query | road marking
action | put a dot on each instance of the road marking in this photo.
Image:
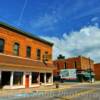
(77, 94)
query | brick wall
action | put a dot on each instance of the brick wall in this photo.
(97, 71)
(86, 63)
(11, 37)
(80, 63)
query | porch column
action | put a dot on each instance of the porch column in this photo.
(0, 78)
(11, 79)
(38, 79)
(45, 78)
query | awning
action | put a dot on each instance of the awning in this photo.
(87, 74)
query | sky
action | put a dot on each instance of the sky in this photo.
(72, 25)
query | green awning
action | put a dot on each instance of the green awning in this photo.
(87, 74)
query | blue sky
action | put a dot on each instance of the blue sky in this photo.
(50, 17)
(65, 21)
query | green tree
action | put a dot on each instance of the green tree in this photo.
(61, 56)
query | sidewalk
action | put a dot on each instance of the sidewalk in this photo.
(41, 88)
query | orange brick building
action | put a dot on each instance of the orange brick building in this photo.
(97, 71)
(25, 60)
(80, 63)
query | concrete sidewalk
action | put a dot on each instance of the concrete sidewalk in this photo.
(4, 92)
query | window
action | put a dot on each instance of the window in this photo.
(35, 77)
(65, 65)
(75, 64)
(45, 56)
(48, 77)
(38, 54)
(28, 52)
(16, 49)
(1, 45)
(42, 80)
(18, 78)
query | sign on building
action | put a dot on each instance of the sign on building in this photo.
(68, 74)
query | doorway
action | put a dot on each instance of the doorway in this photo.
(27, 81)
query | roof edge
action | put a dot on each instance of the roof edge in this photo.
(28, 34)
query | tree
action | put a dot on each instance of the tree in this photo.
(61, 56)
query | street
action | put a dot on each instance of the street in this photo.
(79, 92)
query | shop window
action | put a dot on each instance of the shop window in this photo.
(1, 45)
(35, 77)
(48, 77)
(42, 78)
(18, 78)
(28, 52)
(16, 49)
(38, 52)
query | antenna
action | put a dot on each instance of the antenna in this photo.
(22, 12)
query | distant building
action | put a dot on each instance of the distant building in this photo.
(97, 71)
(82, 64)
(25, 60)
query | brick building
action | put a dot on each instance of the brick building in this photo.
(80, 63)
(97, 71)
(25, 60)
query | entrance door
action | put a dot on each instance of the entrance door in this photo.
(27, 81)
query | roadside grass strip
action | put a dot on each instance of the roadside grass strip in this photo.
(77, 94)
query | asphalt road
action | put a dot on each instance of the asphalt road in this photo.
(80, 92)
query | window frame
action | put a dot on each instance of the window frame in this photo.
(45, 56)
(65, 65)
(28, 52)
(38, 56)
(16, 76)
(3, 41)
(16, 51)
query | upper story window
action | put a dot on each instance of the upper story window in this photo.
(16, 49)
(65, 65)
(38, 52)
(75, 64)
(45, 56)
(28, 52)
(1, 45)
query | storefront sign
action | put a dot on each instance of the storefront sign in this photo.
(68, 73)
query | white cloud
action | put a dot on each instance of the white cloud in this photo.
(85, 42)
(46, 22)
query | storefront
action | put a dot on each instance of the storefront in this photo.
(14, 76)
(25, 59)
(13, 80)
